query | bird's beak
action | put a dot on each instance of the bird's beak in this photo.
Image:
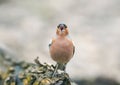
(62, 28)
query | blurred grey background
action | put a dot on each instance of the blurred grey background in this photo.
(26, 26)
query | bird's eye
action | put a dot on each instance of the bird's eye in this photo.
(65, 26)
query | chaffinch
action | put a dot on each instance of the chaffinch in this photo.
(61, 48)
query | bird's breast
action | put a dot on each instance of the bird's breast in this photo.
(62, 50)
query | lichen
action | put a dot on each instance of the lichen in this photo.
(24, 73)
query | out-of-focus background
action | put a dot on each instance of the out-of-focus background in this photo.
(26, 26)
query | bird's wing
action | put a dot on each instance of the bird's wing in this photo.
(51, 42)
(73, 49)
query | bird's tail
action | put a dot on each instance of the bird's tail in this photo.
(61, 66)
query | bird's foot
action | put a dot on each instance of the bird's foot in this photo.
(55, 70)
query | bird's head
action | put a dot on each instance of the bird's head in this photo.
(62, 30)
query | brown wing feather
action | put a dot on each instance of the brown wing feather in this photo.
(73, 50)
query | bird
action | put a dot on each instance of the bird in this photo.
(61, 48)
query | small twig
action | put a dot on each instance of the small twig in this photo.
(37, 61)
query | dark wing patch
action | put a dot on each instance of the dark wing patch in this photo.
(51, 42)
(73, 50)
(50, 45)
